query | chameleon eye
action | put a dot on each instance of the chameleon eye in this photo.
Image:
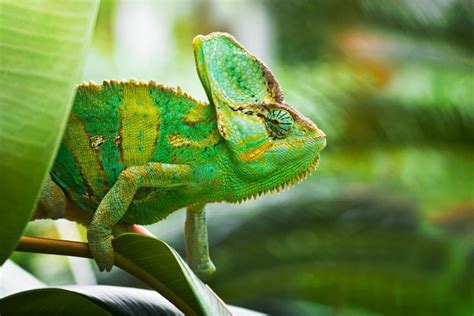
(279, 122)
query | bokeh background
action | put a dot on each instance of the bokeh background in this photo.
(386, 223)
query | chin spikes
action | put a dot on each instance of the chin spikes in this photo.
(285, 186)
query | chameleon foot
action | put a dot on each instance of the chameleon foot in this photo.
(100, 245)
(205, 271)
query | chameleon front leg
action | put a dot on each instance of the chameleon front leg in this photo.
(196, 242)
(115, 203)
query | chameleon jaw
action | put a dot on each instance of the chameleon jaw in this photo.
(286, 185)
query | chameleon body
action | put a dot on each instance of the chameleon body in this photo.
(134, 152)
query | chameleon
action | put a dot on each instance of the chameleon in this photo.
(134, 151)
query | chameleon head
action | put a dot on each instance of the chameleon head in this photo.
(272, 145)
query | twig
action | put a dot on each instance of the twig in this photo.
(54, 247)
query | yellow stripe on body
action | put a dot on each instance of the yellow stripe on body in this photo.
(196, 114)
(78, 142)
(140, 124)
(177, 140)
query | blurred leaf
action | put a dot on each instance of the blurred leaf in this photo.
(104, 33)
(306, 308)
(449, 21)
(307, 30)
(94, 300)
(409, 172)
(158, 265)
(42, 49)
(311, 30)
(88, 300)
(52, 302)
(374, 254)
(458, 221)
(15, 279)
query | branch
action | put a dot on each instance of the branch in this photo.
(68, 247)
(54, 247)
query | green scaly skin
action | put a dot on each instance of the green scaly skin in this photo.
(134, 152)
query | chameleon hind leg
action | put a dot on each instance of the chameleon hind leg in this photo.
(51, 202)
(196, 242)
(115, 203)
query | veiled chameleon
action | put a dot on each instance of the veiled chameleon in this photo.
(134, 152)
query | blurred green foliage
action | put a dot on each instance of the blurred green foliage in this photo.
(371, 252)
(310, 30)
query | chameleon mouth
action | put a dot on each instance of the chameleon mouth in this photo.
(286, 185)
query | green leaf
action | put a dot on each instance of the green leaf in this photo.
(89, 300)
(30, 296)
(158, 265)
(94, 300)
(50, 302)
(42, 50)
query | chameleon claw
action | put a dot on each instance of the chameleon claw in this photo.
(103, 254)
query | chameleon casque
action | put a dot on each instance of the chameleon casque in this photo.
(134, 152)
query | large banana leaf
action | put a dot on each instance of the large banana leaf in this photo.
(42, 49)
